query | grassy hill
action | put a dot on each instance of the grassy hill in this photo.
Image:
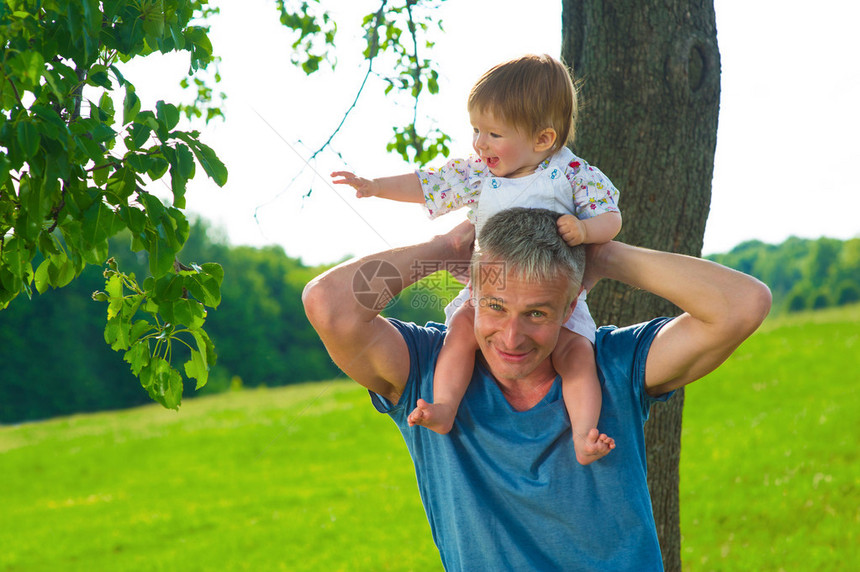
(311, 478)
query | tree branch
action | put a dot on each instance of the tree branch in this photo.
(372, 53)
(15, 89)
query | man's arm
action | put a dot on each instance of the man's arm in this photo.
(722, 307)
(340, 305)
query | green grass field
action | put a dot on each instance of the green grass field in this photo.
(769, 451)
(311, 478)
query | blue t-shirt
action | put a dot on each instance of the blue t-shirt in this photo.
(503, 489)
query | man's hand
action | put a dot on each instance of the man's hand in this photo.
(572, 230)
(363, 187)
(366, 346)
(593, 264)
(461, 240)
(721, 308)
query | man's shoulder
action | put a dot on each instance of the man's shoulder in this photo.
(617, 343)
(420, 338)
(617, 334)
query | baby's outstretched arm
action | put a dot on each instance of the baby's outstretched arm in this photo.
(596, 230)
(404, 188)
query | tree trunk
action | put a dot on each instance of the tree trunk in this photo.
(649, 101)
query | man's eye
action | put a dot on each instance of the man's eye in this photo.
(537, 314)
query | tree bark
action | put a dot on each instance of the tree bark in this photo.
(649, 103)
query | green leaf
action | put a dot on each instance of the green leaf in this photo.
(96, 253)
(139, 328)
(214, 270)
(5, 165)
(41, 278)
(130, 105)
(204, 288)
(121, 184)
(138, 162)
(100, 175)
(182, 168)
(114, 289)
(206, 347)
(156, 168)
(162, 382)
(28, 138)
(55, 82)
(167, 114)
(102, 132)
(167, 288)
(99, 224)
(138, 356)
(189, 312)
(27, 67)
(184, 161)
(16, 258)
(61, 270)
(106, 108)
(153, 205)
(138, 136)
(117, 333)
(98, 76)
(153, 25)
(134, 218)
(161, 257)
(90, 148)
(50, 116)
(207, 159)
(196, 368)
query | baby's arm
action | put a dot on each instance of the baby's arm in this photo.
(596, 230)
(404, 188)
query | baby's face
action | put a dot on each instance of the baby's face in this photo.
(507, 151)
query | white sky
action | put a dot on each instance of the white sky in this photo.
(787, 149)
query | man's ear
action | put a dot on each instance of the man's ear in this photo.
(545, 140)
(573, 304)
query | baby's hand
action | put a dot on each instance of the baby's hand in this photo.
(572, 230)
(363, 187)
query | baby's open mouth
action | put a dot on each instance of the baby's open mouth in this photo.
(491, 161)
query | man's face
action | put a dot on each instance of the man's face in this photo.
(517, 325)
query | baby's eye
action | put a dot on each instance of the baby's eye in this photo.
(495, 135)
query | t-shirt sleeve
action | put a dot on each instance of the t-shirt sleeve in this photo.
(622, 354)
(452, 186)
(423, 343)
(593, 192)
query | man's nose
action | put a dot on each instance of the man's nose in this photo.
(512, 333)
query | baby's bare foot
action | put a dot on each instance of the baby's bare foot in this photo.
(438, 417)
(591, 447)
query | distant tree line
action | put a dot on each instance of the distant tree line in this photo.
(803, 274)
(53, 359)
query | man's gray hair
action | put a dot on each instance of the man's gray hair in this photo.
(526, 242)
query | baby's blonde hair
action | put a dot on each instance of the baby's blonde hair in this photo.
(531, 93)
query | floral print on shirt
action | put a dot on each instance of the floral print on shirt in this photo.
(459, 182)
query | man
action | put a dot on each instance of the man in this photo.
(503, 490)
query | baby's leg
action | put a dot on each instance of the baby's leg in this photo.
(573, 359)
(453, 373)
